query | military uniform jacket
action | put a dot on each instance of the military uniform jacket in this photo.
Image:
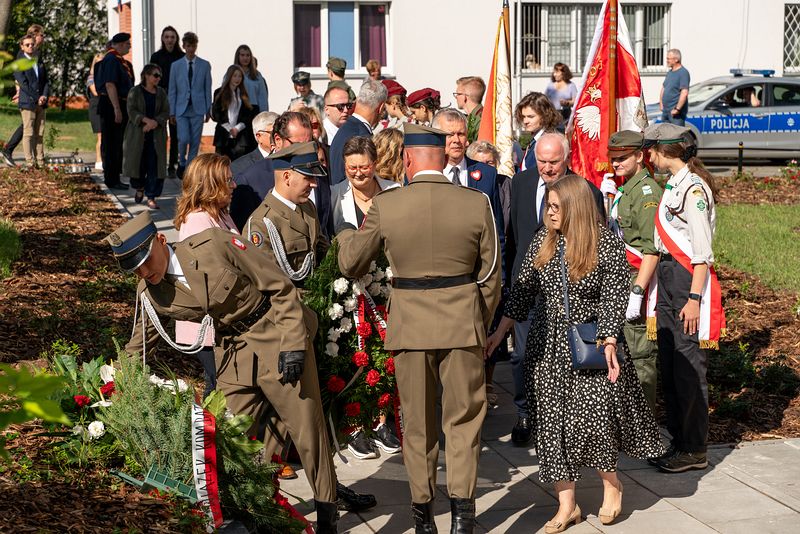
(431, 229)
(228, 279)
(636, 211)
(299, 229)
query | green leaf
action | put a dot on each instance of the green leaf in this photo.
(239, 424)
(45, 409)
(215, 403)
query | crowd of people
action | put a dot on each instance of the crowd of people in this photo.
(486, 267)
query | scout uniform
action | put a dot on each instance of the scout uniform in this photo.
(634, 212)
(312, 99)
(338, 66)
(256, 312)
(443, 249)
(685, 224)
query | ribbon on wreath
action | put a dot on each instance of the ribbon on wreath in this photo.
(204, 466)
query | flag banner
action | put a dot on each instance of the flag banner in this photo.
(610, 98)
(497, 121)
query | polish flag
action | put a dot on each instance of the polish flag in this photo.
(610, 77)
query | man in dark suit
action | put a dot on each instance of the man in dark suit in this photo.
(34, 89)
(262, 129)
(527, 213)
(253, 184)
(367, 113)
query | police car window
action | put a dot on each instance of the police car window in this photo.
(703, 91)
(785, 95)
(744, 96)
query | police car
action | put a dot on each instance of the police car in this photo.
(760, 111)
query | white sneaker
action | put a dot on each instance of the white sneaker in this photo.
(98, 166)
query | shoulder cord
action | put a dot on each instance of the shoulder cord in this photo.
(496, 245)
(677, 212)
(150, 312)
(280, 254)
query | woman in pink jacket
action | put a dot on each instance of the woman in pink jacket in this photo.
(207, 188)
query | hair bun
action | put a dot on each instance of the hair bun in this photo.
(689, 153)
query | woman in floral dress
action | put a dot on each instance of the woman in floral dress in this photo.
(582, 418)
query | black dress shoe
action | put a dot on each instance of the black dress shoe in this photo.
(423, 518)
(350, 501)
(327, 517)
(462, 516)
(179, 172)
(522, 432)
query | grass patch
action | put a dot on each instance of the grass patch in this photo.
(9, 247)
(71, 126)
(761, 240)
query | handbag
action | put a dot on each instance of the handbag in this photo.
(582, 337)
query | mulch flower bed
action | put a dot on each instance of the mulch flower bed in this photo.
(66, 285)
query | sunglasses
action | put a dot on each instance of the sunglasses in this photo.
(156, 75)
(342, 107)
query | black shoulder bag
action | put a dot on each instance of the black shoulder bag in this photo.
(582, 337)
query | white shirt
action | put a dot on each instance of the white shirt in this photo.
(174, 267)
(286, 201)
(264, 153)
(362, 119)
(539, 199)
(462, 174)
(35, 64)
(330, 129)
(430, 171)
(233, 114)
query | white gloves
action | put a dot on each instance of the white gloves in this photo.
(634, 307)
(608, 186)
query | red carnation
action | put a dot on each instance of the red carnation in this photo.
(389, 366)
(384, 400)
(81, 400)
(107, 389)
(335, 384)
(361, 359)
(373, 377)
(352, 409)
(364, 329)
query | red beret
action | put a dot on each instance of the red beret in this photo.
(418, 96)
(394, 88)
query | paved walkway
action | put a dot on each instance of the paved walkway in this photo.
(748, 488)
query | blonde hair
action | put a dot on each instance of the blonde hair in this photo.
(580, 226)
(205, 184)
(313, 116)
(389, 143)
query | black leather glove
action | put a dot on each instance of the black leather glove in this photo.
(290, 365)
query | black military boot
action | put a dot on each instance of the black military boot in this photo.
(351, 501)
(462, 513)
(327, 517)
(423, 518)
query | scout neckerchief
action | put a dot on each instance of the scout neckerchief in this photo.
(124, 62)
(635, 258)
(712, 316)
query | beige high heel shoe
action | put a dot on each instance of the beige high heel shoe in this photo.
(608, 515)
(553, 526)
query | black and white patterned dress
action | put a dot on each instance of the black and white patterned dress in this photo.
(579, 417)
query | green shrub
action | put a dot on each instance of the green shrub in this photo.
(9, 247)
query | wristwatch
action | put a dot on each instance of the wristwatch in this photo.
(695, 296)
(637, 290)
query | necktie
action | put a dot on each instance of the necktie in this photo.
(456, 171)
(530, 156)
(191, 73)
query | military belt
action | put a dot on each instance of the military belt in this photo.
(243, 325)
(440, 282)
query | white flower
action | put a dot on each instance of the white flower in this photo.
(96, 429)
(78, 430)
(107, 373)
(350, 304)
(182, 385)
(345, 325)
(365, 280)
(332, 349)
(340, 285)
(358, 288)
(386, 291)
(379, 274)
(156, 381)
(374, 288)
(335, 311)
(372, 266)
(101, 404)
(389, 273)
(333, 334)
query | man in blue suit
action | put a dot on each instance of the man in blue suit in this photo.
(189, 100)
(367, 113)
(34, 89)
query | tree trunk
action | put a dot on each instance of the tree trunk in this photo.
(64, 83)
(5, 16)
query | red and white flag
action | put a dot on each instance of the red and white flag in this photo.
(610, 98)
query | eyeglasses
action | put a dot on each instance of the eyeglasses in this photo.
(555, 208)
(27, 44)
(342, 107)
(268, 132)
(459, 94)
(365, 169)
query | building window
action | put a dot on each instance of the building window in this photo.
(353, 31)
(562, 33)
(791, 39)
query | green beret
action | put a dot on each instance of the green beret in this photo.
(131, 242)
(300, 157)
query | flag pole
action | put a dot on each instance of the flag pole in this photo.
(613, 11)
(507, 25)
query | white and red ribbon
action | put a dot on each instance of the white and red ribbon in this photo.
(204, 465)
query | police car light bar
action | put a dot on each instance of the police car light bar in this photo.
(763, 72)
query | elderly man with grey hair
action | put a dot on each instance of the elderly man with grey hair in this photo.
(369, 108)
(262, 129)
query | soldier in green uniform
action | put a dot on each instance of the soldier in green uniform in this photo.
(305, 95)
(633, 214)
(265, 357)
(443, 249)
(336, 68)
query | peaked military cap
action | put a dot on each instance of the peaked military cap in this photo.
(665, 133)
(624, 143)
(131, 242)
(337, 65)
(121, 38)
(301, 77)
(300, 157)
(419, 135)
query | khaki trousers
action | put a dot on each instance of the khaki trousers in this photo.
(461, 373)
(33, 135)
